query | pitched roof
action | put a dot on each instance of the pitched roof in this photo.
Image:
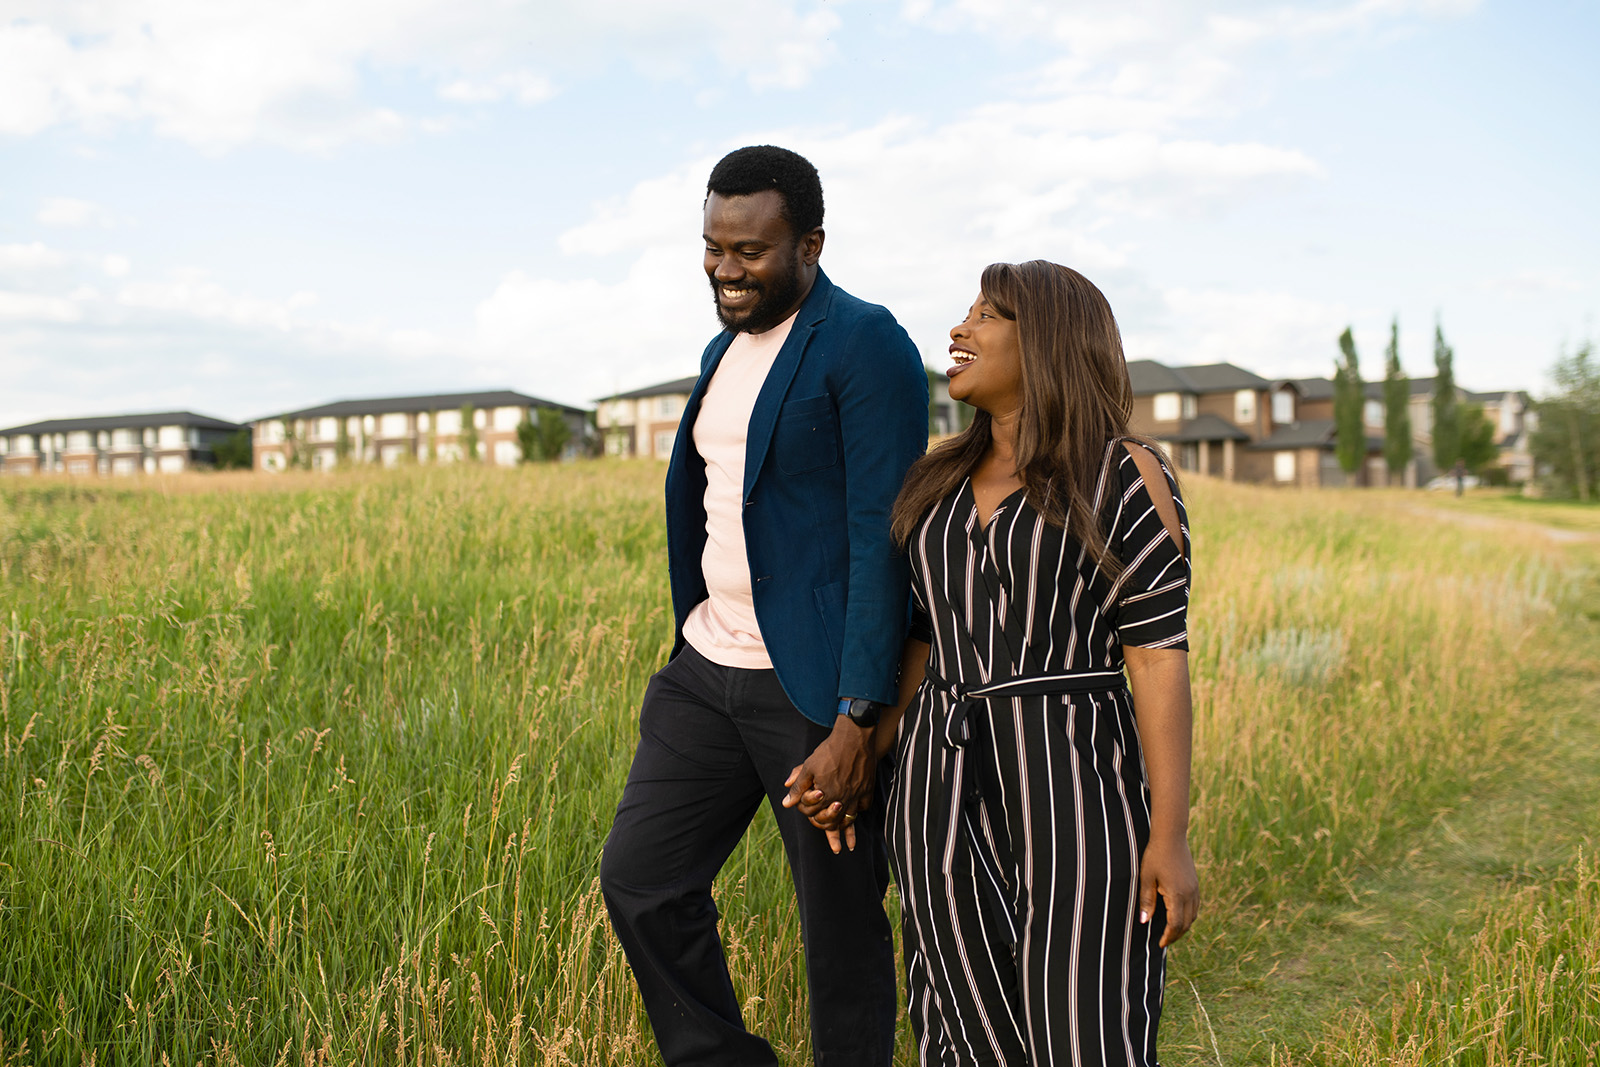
(1313, 388)
(677, 385)
(1217, 377)
(125, 422)
(1206, 427)
(1147, 376)
(496, 398)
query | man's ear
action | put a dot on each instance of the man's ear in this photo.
(811, 246)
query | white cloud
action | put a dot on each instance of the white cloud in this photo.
(1274, 334)
(69, 212)
(191, 292)
(218, 73)
(525, 87)
(31, 257)
(32, 307)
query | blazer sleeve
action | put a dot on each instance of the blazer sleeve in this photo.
(882, 395)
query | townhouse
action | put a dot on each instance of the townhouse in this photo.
(162, 443)
(644, 422)
(409, 429)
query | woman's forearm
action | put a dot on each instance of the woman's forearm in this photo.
(1159, 678)
(912, 662)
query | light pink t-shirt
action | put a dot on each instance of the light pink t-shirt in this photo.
(723, 627)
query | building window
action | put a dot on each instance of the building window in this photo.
(1283, 406)
(124, 465)
(125, 438)
(669, 407)
(392, 454)
(1283, 466)
(4, 444)
(506, 453)
(171, 464)
(79, 466)
(170, 437)
(24, 444)
(1167, 407)
(1372, 414)
(422, 422)
(327, 429)
(394, 425)
(664, 440)
(1244, 406)
(448, 422)
(80, 441)
(506, 419)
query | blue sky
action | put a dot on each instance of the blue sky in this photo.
(241, 208)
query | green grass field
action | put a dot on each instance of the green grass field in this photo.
(312, 770)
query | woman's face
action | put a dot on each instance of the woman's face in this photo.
(986, 369)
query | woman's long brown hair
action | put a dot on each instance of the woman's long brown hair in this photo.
(1075, 397)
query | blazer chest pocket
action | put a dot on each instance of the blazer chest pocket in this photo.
(807, 438)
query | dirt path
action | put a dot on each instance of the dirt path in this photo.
(1556, 534)
(1523, 826)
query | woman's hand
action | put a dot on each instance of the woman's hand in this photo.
(1167, 869)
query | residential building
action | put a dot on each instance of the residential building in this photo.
(644, 422)
(1205, 415)
(164, 443)
(408, 429)
(1226, 421)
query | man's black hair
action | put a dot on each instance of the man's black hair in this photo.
(750, 170)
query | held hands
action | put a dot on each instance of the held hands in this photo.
(834, 784)
(1167, 869)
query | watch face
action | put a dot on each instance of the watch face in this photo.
(863, 712)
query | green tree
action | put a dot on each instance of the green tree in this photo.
(527, 440)
(234, 452)
(1477, 439)
(1446, 405)
(1396, 406)
(553, 433)
(298, 448)
(1350, 435)
(1567, 442)
(469, 434)
(341, 442)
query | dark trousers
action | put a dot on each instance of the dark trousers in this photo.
(713, 741)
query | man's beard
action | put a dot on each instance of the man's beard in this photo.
(773, 304)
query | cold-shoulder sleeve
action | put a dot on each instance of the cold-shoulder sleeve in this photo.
(1151, 597)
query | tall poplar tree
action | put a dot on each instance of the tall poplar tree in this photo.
(1396, 406)
(1350, 436)
(1446, 406)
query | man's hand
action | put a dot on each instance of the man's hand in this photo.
(835, 782)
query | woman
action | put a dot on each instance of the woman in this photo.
(1039, 816)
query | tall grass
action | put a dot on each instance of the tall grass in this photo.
(1529, 992)
(317, 770)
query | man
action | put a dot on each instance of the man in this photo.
(791, 606)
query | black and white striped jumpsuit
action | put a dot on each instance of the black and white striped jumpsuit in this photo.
(1018, 819)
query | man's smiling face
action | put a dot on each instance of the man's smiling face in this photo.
(760, 271)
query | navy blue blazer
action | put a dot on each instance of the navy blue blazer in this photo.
(843, 413)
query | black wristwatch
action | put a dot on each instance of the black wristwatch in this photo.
(861, 711)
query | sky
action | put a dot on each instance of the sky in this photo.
(243, 208)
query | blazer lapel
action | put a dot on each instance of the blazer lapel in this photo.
(691, 407)
(764, 416)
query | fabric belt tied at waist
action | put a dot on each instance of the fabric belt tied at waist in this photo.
(965, 815)
(957, 732)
